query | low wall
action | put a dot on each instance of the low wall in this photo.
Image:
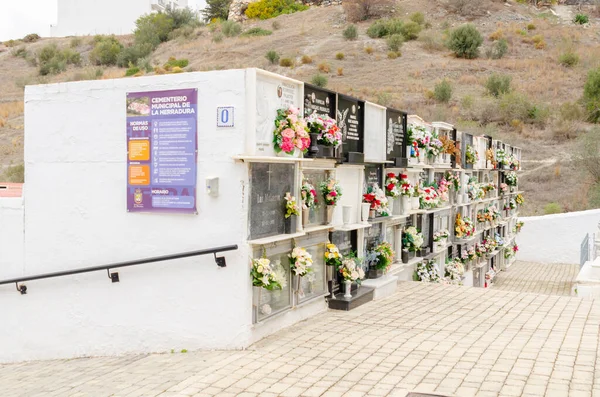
(555, 238)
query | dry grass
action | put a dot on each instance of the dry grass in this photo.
(11, 109)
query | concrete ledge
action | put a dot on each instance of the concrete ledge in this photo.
(383, 286)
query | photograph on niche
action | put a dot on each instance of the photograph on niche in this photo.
(138, 107)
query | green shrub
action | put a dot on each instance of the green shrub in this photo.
(14, 174)
(531, 26)
(132, 54)
(132, 71)
(218, 37)
(182, 17)
(410, 30)
(552, 208)
(75, 42)
(272, 57)
(339, 56)
(52, 60)
(385, 27)
(591, 95)
(19, 52)
(443, 91)
(173, 62)
(185, 32)
(319, 80)
(499, 49)
(106, 51)
(518, 107)
(350, 33)
(395, 41)
(286, 62)
(571, 111)
(257, 32)
(581, 19)
(153, 29)
(465, 41)
(568, 59)
(216, 9)
(432, 42)
(231, 28)
(31, 38)
(12, 43)
(418, 17)
(144, 64)
(498, 84)
(265, 9)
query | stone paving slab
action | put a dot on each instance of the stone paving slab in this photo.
(448, 340)
(539, 278)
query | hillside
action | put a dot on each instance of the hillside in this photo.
(551, 140)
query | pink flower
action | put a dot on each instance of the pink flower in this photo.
(305, 143)
(299, 144)
(288, 133)
(287, 145)
(293, 118)
(332, 194)
(293, 110)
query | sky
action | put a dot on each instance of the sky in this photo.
(21, 17)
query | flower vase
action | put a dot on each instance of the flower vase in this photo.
(326, 151)
(390, 205)
(329, 272)
(287, 225)
(296, 153)
(364, 212)
(329, 213)
(299, 291)
(405, 203)
(305, 215)
(346, 213)
(415, 204)
(422, 156)
(313, 150)
(347, 289)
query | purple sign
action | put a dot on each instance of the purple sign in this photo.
(162, 151)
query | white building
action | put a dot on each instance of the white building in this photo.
(90, 17)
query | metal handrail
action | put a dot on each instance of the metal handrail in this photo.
(220, 261)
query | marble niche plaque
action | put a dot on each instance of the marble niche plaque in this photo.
(395, 147)
(350, 119)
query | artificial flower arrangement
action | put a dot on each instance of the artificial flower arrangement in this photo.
(392, 184)
(511, 178)
(406, 188)
(488, 245)
(435, 147)
(471, 155)
(449, 147)
(411, 135)
(479, 250)
(520, 200)
(515, 248)
(427, 271)
(474, 190)
(488, 187)
(489, 214)
(508, 253)
(513, 163)
(300, 261)
(291, 131)
(351, 270)
(326, 127)
(428, 197)
(472, 253)
(464, 227)
(503, 188)
(309, 195)
(518, 226)
(291, 206)
(464, 256)
(331, 191)
(499, 240)
(420, 135)
(440, 236)
(264, 276)
(454, 271)
(502, 157)
(376, 197)
(333, 257)
(510, 205)
(384, 256)
(489, 156)
(453, 179)
(443, 188)
(412, 239)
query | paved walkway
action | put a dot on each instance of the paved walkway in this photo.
(451, 340)
(555, 279)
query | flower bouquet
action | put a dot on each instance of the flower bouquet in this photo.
(351, 271)
(264, 276)
(464, 227)
(331, 191)
(406, 191)
(384, 257)
(300, 261)
(427, 272)
(508, 253)
(454, 271)
(309, 200)
(439, 239)
(449, 147)
(434, 148)
(412, 241)
(471, 155)
(429, 197)
(333, 257)
(327, 129)
(502, 157)
(518, 226)
(520, 200)
(443, 189)
(503, 188)
(377, 200)
(392, 184)
(489, 157)
(511, 179)
(291, 132)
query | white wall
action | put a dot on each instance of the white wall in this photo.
(76, 216)
(11, 237)
(90, 17)
(555, 238)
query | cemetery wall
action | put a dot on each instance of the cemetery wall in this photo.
(555, 238)
(75, 156)
(11, 237)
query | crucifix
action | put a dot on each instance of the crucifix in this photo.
(269, 172)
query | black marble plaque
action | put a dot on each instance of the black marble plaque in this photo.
(320, 101)
(350, 119)
(373, 175)
(269, 182)
(344, 240)
(395, 134)
(425, 224)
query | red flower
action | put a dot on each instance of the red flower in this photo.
(390, 187)
(333, 194)
(403, 176)
(391, 175)
(313, 192)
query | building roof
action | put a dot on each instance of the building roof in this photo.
(11, 189)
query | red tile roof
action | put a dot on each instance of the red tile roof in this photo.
(11, 189)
